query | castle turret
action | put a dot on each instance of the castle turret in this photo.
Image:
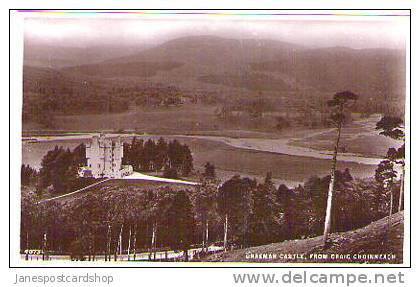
(104, 158)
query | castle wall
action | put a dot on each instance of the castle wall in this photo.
(104, 157)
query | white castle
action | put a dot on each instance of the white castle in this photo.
(104, 158)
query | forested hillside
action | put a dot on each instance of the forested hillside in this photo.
(236, 78)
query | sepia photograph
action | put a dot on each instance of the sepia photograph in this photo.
(205, 137)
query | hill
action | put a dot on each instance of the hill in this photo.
(249, 77)
(250, 65)
(112, 186)
(57, 56)
(261, 65)
(378, 71)
(199, 61)
(211, 50)
(373, 239)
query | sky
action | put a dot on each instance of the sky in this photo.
(373, 33)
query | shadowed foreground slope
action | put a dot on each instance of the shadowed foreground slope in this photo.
(370, 244)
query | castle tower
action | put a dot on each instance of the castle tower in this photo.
(104, 157)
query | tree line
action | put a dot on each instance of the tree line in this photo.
(173, 158)
(48, 93)
(58, 172)
(239, 212)
(59, 166)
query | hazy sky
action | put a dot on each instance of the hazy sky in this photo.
(97, 31)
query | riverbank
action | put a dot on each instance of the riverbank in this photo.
(291, 159)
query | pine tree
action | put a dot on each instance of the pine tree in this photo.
(203, 198)
(263, 217)
(187, 161)
(161, 154)
(209, 171)
(338, 103)
(393, 127)
(149, 155)
(175, 155)
(385, 175)
(181, 223)
(234, 206)
(28, 174)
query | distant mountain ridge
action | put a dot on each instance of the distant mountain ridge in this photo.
(262, 64)
(57, 56)
(211, 49)
(256, 65)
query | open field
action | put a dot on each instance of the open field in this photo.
(185, 119)
(118, 185)
(360, 137)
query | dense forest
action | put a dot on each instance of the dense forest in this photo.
(237, 213)
(177, 218)
(48, 93)
(263, 79)
(173, 157)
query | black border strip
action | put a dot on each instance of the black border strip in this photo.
(192, 267)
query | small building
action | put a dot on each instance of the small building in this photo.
(104, 158)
